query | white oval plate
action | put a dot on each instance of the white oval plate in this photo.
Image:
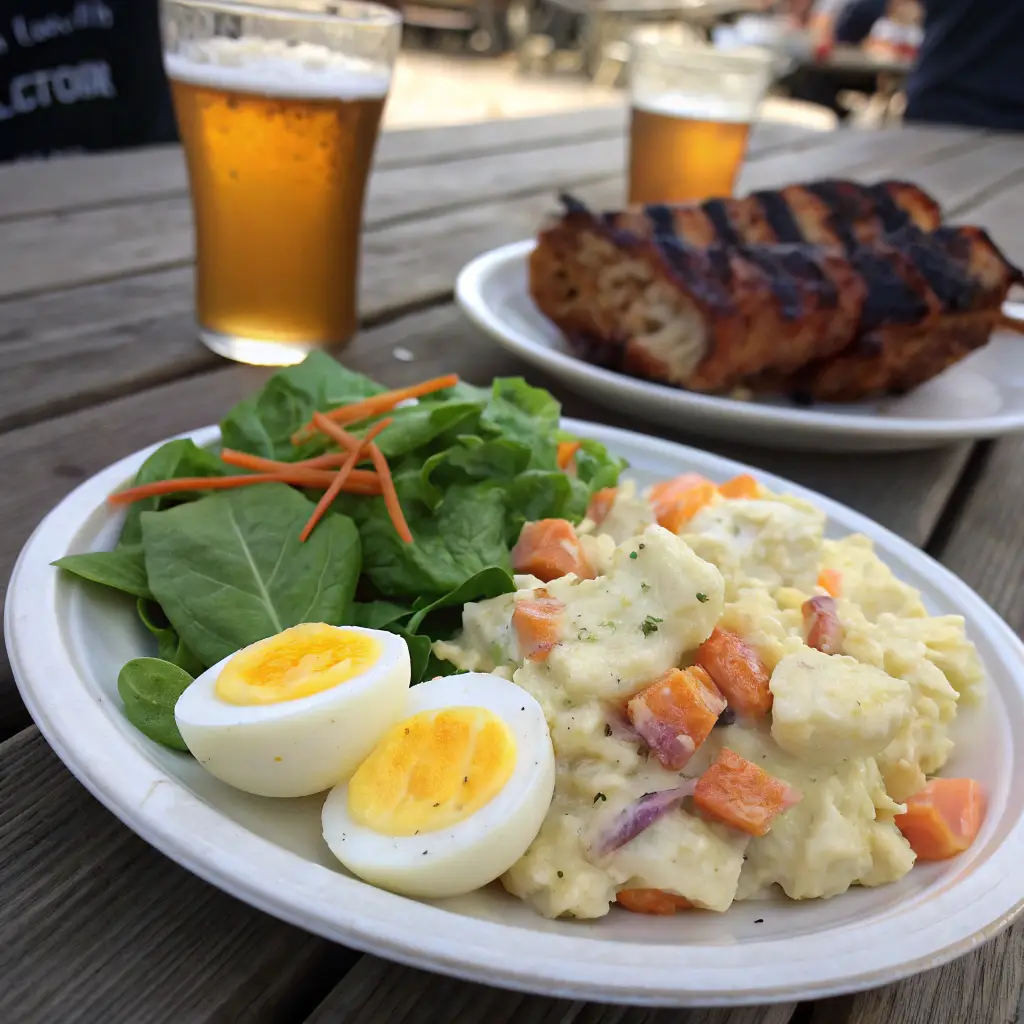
(981, 397)
(67, 640)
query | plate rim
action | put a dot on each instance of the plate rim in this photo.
(482, 269)
(148, 797)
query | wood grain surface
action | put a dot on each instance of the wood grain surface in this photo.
(99, 242)
(377, 991)
(99, 927)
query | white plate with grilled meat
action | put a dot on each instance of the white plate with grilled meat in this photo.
(67, 641)
(980, 397)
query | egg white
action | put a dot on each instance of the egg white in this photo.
(302, 746)
(481, 847)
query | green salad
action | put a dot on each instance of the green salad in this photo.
(213, 571)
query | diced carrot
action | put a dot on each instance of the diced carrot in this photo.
(742, 486)
(944, 818)
(651, 901)
(676, 713)
(738, 671)
(537, 622)
(566, 451)
(737, 792)
(831, 581)
(824, 632)
(601, 504)
(669, 491)
(550, 549)
(674, 513)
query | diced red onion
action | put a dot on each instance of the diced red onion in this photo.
(628, 823)
(822, 626)
(671, 747)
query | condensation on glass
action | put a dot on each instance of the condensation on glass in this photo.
(692, 110)
(279, 111)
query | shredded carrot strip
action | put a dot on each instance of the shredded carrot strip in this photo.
(387, 486)
(566, 451)
(348, 441)
(302, 478)
(347, 467)
(377, 404)
(320, 465)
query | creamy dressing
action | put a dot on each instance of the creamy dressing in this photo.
(854, 733)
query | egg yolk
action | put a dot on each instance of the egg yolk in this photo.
(298, 662)
(432, 771)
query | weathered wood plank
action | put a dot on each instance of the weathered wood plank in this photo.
(862, 154)
(96, 244)
(72, 183)
(375, 992)
(984, 987)
(98, 926)
(51, 458)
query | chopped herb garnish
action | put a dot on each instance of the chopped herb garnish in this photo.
(586, 636)
(642, 546)
(600, 796)
(644, 586)
(632, 554)
(650, 625)
(607, 730)
(703, 598)
(561, 874)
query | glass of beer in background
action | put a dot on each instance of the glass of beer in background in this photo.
(692, 109)
(279, 110)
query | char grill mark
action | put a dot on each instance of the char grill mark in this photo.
(873, 304)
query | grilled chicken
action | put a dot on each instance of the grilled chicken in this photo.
(849, 293)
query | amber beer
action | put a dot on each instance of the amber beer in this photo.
(692, 108)
(679, 154)
(278, 108)
(277, 188)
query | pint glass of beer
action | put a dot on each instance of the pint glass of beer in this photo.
(692, 108)
(278, 108)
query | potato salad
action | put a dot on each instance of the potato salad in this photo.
(736, 704)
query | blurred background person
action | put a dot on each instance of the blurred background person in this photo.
(968, 70)
(81, 76)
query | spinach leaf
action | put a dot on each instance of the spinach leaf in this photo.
(150, 688)
(174, 459)
(376, 614)
(230, 570)
(170, 646)
(596, 467)
(469, 459)
(420, 654)
(263, 424)
(418, 425)
(489, 582)
(465, 534)
(124, 568)
(544, 494)
(519, 412)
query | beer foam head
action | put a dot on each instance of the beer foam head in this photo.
(272, 67)
(707, 107)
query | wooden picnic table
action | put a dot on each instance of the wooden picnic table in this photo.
(98, 357)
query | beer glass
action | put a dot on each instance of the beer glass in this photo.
(278, 108)
(692, 108)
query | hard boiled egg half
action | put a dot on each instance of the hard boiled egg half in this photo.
(452, 795)
(296, 713)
